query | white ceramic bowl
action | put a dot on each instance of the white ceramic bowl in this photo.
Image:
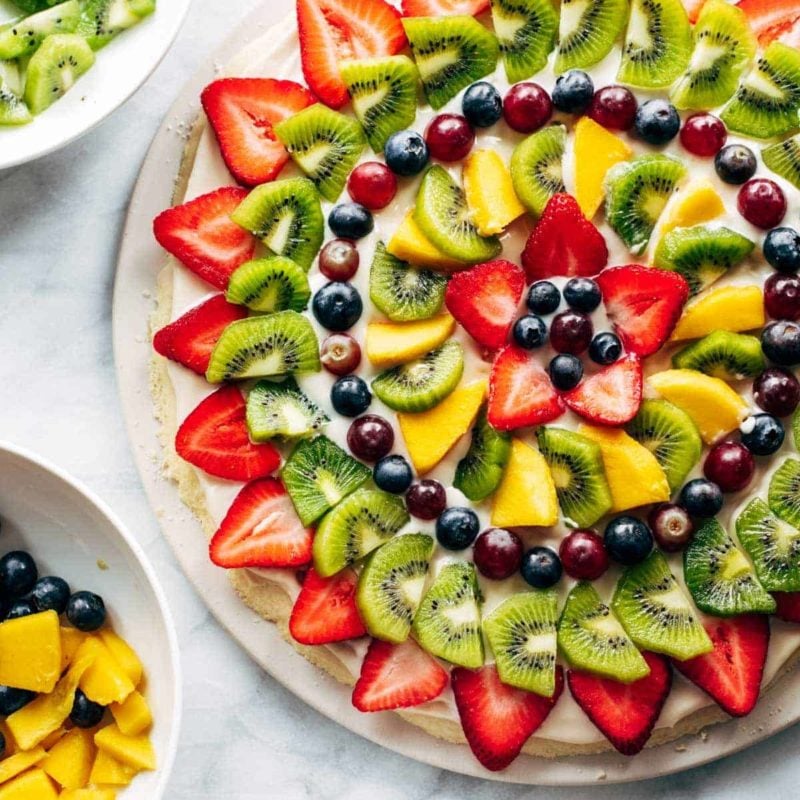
(121, 68)
(69, 532)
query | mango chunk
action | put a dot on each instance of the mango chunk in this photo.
(123, 653)
(105, 681)
(54, 738)
(135, 751)
(30, 652)
(634, 476)
(699, 202)
(32, 785)
(392, 343)
(15, 765)
(71, 640)
(490, 192)
(69, 763)
(729, 308)
(133, 716)
(527, 494)
(429, 436)
(410, 244)
(88, 794)
(106, 770)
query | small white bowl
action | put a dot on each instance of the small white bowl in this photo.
(72, 533)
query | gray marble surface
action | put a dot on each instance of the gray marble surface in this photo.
(244, 736)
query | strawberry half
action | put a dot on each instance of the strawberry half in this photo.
(202, 236)
(485, 299)
(611, 396)
(520, 391)
(443, 8)
(397, 676)
(190, 339)
(644, 304)
(773, 19)
(214, 438)
(564, 242)
(325, 610)
(498, 719)
(624, 713)
(788, 606)
(731, 673)
(242, 112)
(334, 30)
(261, 529)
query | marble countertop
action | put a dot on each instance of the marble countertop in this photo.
(244, 736)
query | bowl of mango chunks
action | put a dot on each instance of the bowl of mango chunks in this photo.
(90, 687)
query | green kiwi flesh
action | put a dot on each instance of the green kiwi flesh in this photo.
(13, 110)
(537, 167)
(268, 285)
(783, 495)
(526, 30)
(281, 410)
(783, 159)
(479, 473)
(53, 69)
(102, 20)
(23, 36)
(587, 32)
(723, 354)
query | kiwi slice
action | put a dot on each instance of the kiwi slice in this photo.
(269, 284)
(536, 167)
(282, 410)
(576, 464)
(636, 194)
(264, 347)
(720, 577)
(53, 69)
(450, 53)
(13, 110)
(448, 621)
(384, 95)
(784, 492)
(783, 159)
(723, 354)
(656, 613)
(593, 640)
(587, 31)
(325, 144)
(723, 47)
(402, 292)
(701, 254)
(658, 44)
(669, 433)
(287, 216)
(526, 30)
(773, 546)
(522, 633)
(479, 473)
(391, 584)
(767, 102)
(102, 20)
(424, 382)
(352, 529)
(445, 218)
(796, 427)
(319, 474)
(23, 36)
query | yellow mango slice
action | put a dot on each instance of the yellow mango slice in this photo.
(107, 770)
(714, 407)
(596, 151)
(54, 738)
(490, 192)
(699, 202)
(429, 436)
(71, 640)
(69, 763)
(527, 494)
(410, 244)
(391, 343)
(30, 652)
(634, 476)
(105, 681)
(135, 751)
(133, 716)
(123, 653)
(15, 765)
(32, 785)
(729, 308)
(88, 794)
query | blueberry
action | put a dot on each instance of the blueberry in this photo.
(566, 372)
(782, 249)
(628, 540)
(530, 332)
(763, 434)
(85, 713)
(350, 396)
(86, 611)
(393, 474)
(657, 122)
(582, 294)
(482, 105)
(543, 298)
(51, 594)
(780, 342)
(541, 567)
(18, 573)
(22, 607)
(12, 700)
(337, 306)
(406, 153)
(701, 498)
(350, 221)
(573, 92)
(605, 348)
(457, 528)
(735, 164)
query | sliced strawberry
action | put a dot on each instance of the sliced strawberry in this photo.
(611, 396)
(484, 299)
(498, 719)
(788, 606)
(325, 610)
(261, 529)
(773, 19)
(242, 112)
(624, 713)
(693, 8)
(190, 339)
(202, 236)
(520, 391)
(334, 30)
(397, 676)
(443, 8)
(564, 242)
(214, 438)
(644, 304)
(731, 672)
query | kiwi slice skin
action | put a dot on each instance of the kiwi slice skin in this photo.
(102, 20)
(723, 354)
(479, 473)
(281, 410)
(53, 69)
(537, 168)
(522, 633)
(526, 30)
(796, 427)
(783, 495)
(719, 576)
(593, 640)
(391, 584)
(21, 37)
(587, 32)
(268, 285)
(783, 159)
